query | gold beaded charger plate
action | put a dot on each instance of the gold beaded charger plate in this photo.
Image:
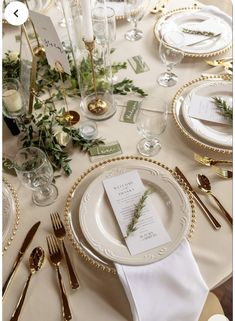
(10, 214)
(99, 225)
(190, 18)
(177, 109)
(220, 134)
(78, 189)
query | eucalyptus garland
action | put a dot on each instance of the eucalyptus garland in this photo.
(46, 129)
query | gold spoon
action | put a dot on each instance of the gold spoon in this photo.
(204, 185)
(36, 260)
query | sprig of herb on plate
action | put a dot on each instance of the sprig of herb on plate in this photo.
(137, 212)
(198, 32)
(224, 107)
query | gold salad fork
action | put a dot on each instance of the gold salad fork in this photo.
(56, 257)
(60, 233)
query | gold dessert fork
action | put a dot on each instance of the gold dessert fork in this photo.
(56, 257)
(60, 233)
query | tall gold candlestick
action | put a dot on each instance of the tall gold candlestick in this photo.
(96, 106)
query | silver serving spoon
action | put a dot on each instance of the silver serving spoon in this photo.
(36, 260)
(204, 185)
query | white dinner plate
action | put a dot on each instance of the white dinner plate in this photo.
(189, 19)
(101, 229)
(214, 133)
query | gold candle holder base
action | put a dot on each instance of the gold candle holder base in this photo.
(97, 106)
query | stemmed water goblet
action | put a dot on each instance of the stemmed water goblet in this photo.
(170, 54)
(151, 124)
(135, 11)
(35, 172)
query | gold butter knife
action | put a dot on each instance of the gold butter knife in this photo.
(210, 217)
(21, 252)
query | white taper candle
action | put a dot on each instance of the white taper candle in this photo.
(87, 20)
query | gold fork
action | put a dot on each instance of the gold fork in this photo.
(60, 233)
(56, 257)
(207, 161)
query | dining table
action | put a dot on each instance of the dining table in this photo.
(100, 295)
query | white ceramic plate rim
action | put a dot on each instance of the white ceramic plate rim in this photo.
(118, 252)
(199, 127)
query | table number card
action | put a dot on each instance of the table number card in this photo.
(124, 192)
(51, 42)
(205, 109)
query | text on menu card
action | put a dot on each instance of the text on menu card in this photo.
(124, 192)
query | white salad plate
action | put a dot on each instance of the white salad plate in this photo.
(100, 228)
(215, 133)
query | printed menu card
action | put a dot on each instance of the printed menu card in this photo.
(124, 192)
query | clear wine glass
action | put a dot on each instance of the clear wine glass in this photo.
(170, 54)
(151, 124)
(135, 11)
(35, 172)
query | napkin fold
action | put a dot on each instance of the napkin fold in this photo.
(219, 13)
(171, 289)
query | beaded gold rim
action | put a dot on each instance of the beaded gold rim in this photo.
(82, 252)
(10, 238)
(188, 54)
(183, 130)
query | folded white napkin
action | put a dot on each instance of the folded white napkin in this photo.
(169, 290)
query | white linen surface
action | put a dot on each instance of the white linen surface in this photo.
(171, 289)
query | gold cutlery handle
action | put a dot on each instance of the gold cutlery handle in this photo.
(12, 273)
(214, 162)
(20, 303)
(73, 278)
(211, 218)
(65, 304)
(227, 215)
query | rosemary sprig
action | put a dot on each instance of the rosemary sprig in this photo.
(137, 212)
(225, 109)
(198, 32)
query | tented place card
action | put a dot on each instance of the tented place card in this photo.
(204, 108)
(102, 151)
(129, 114)
(124, 192)
(138, 64)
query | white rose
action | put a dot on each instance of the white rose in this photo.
(13, 56)
(62, 138)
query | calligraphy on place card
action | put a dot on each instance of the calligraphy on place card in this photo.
(51, 42)
(130, 112)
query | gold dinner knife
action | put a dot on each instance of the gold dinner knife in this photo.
(21, 252)
(211, 218)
